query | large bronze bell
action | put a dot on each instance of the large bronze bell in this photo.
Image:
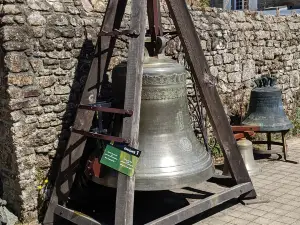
(172, 156)
(266, 108)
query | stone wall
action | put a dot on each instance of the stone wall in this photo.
(48, 46)
(271, 3)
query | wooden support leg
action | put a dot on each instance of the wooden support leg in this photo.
(208, 91)
(83, 120)
(284, 145)
(125, 187)
(269, 140)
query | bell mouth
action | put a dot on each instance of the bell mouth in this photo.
(146, 183)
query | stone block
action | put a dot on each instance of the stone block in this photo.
(249, 70)
(33, 111)
(68, 64)
(11, 9)
(214, 71)
(61, 90)
(52, 32)
(72, 10)
(36, 64)
(31, 92)
(294, 78)
(17, 115)
(40, 5)
(228, 58)
(269, 53)
(229, 68)
(46, 81)
(235, 77)
(68, 32)
(16, 62)
(46, 45)
(15, 33)
(44, 148)
(49, 100)
(19, 19)
(20, 129)
(15, 46)
(36, 19)
(59, 55)
(57, 19)
(58, 7)
(59, 108)
(30, 119)
(218, 60)
(8, 19)
(20, 80)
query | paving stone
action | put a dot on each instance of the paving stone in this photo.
(286, 220)
(257, 212)
(216, 222)
(249, 217)
(265, 207)
(226, 218)
(271, 216)
(244, 209)
(294, 215)
(276, 223)
(239, 221)
(288, 207)
(262, 220)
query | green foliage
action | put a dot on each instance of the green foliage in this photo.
(296, 123)
(215, 148)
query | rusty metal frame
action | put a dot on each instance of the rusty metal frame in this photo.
(107, 109)
(100, 136)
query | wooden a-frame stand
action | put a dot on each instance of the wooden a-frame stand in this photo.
(209, 96)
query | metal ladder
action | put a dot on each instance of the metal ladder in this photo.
(130, 129)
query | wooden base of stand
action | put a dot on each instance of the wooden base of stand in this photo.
(199, 198)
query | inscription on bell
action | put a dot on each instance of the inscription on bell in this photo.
(180, 120)
(186, 144)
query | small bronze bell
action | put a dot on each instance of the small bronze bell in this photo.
(266, 108)
(172, 156)
(246, 148)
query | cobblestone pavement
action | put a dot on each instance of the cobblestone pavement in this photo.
(278, 182)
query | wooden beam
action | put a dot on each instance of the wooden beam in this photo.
(202, 205)
(83, 120)
(245, 128)
(126, 185)
(207, 89)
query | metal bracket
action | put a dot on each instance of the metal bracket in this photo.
(115, 33)
(100, 136)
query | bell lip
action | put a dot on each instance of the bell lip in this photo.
(266, 89)
(271, 127)
(160, 184)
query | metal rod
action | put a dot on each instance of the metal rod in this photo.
(100, 136)
(106, 109)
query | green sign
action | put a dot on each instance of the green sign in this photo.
(123, 159)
